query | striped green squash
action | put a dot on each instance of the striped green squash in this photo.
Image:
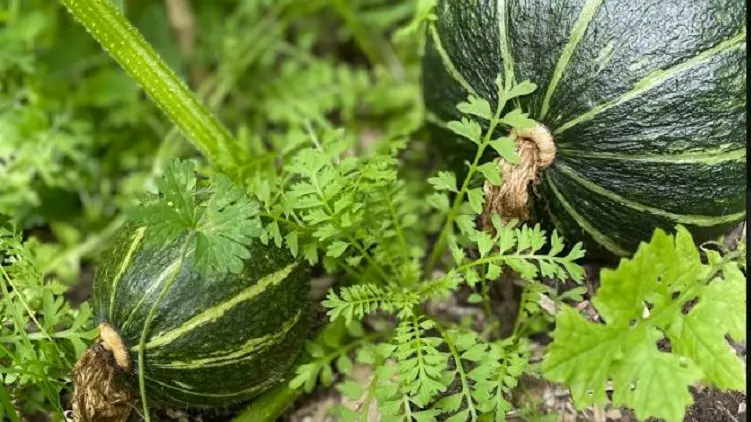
(213, 341)
(645, 100)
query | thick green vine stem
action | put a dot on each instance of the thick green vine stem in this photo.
(134, 54)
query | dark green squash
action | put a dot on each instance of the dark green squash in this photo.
(213, 341)
(646, 101)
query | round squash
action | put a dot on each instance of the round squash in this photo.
(212, 341)
(646, 102)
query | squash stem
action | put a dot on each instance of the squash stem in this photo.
(126, 45)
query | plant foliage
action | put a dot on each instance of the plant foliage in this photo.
(321, 101)
(664, 292)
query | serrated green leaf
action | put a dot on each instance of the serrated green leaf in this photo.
(518, 119)
(476, 199)
(344, 364)
(468, 129)
(445, 180)
(476, 106)
(336, 249)
(438, 201)
(660, 383)
(521, 89)
(491, 172)
(466, 224)
(580, 356)
(459, 417)
(351, 389)
(493, 272)
(506, 148)
(640, 302)
(475, 353)
(310, 251)
(326, 376)
(451, 403)
(291, 241)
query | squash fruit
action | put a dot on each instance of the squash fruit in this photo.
(646, 102)
(213, 341)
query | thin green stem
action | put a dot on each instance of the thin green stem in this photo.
(376, 49)
(502, 258)
(440, 244)
(520, 313)
(134, 54)
(365, 408)
(460, 370)
(26, 306)
(397, 225)
(147, 325)
(486, 299)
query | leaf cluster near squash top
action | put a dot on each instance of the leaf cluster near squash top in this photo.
(218, 219)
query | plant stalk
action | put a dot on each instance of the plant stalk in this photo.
(126, 45)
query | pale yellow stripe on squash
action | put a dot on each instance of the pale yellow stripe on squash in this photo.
(135, 242)
(596, 235)
(258, 387)
(244, 352)
(577, 33)
(216, 312)
(158, 282)
(688, 219)
(708, 157)
(450, 68)
(658, 77)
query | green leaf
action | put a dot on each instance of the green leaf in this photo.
(445, 180)
(659, 381)
(476, 199)
(336, 249)
(493, 272)
(475, 353)
(522, 89)
(475, 298)
(459, 417)
(518, 119)
(310, 251)
(291, 240)
(222, 224)
(506, 148)
(451, 403)
(701, 336)
(580, 356)
(655, 270)
(468, 129)
(492, 172)
(476, 106)
(438, 201)
(344, 364)
(351, 389)
(484, 243)
(641, 302)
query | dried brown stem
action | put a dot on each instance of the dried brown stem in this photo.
(510, 200)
